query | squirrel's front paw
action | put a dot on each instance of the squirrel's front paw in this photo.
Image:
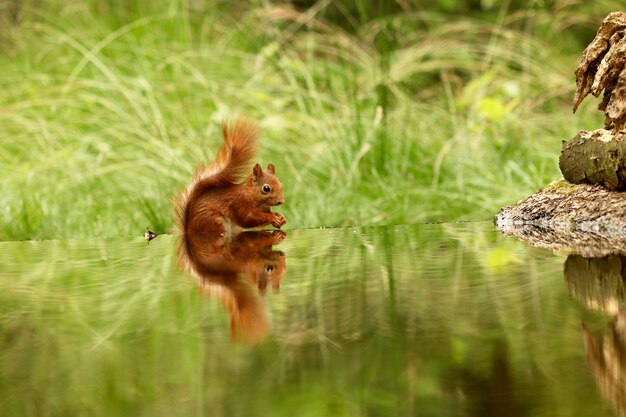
(278, 236)
(279, 220)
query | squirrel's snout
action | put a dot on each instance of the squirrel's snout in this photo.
(279, 202)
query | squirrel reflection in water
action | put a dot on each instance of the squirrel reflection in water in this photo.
(237, 270)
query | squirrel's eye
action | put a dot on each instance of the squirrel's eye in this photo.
(266, 188)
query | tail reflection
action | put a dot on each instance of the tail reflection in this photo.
(237, 270)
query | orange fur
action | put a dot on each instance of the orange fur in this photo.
(229, 269)
(220, 198)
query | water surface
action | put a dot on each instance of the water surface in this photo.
(422, 320)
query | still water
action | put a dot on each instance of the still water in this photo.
(421, 320)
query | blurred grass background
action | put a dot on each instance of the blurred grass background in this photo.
(374, 112)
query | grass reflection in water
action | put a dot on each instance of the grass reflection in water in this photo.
(449, 319)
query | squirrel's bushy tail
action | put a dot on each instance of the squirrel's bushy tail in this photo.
(235, 157)
(231, 165)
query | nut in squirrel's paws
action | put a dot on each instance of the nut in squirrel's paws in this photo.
(279, 220)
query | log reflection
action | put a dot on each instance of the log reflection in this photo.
(595, 272)
(237, 270)
(599, 284)
(607, 359)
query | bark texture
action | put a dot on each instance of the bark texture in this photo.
(582, 219)
(603, 68)
(595, 157)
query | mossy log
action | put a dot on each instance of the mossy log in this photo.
(582, 219)
(595, 157)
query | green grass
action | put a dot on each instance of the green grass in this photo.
(106, 107)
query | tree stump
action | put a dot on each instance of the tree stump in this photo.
(589, 220)
(595, 157)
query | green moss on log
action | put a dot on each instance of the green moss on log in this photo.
(595, 157)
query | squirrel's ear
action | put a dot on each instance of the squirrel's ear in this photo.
(271, 169)
(257, 170)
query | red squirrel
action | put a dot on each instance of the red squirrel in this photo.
(221, 199)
